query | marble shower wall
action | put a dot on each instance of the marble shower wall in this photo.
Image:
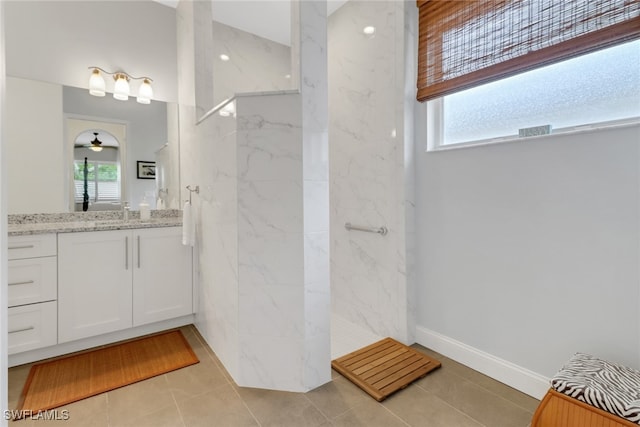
(262, 218)
(369, 126)
(208, 159)
(255, 64)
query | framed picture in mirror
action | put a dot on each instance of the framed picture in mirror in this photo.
(146, 170)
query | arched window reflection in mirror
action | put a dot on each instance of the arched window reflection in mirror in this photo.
(97, 172)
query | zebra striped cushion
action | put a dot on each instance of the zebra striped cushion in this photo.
(612, 388)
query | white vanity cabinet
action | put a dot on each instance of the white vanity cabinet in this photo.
(113, 280)
(32, 293)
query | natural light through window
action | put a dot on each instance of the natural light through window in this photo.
(601, 87)
(103, 186)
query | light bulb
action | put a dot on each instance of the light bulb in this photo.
(369, 30)
(121, 89)
(145, 93)
(96, 83)
(224, 57)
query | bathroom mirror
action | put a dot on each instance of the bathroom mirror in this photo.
(49, 129)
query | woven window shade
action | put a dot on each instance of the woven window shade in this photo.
(465, 43)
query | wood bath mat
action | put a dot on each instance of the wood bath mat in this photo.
(81, 375)
(384, 367)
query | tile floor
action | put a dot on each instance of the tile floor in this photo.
(204, 395)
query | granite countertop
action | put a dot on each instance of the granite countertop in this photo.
(27, 224)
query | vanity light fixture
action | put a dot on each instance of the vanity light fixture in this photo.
(97, 86)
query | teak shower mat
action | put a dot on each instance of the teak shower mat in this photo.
(384, 367)
(69, 379)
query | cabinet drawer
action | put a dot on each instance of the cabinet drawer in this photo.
(32, 280)
(32, 246)
(32, 326)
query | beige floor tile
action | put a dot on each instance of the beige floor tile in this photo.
(418, 407)
(477, 402)
(368, 414)
(142, 398)
(222, 407)
(198, 344)
(17, 376)
(205, 395)
(337, 397)
(194, 380)
(201, 349)
(278, 408)
(518, 398)
(90, 412)
(514, 396)
(165, 417)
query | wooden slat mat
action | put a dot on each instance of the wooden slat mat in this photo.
(69, 379)
(385, 367)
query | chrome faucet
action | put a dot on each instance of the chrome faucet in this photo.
(125, 211)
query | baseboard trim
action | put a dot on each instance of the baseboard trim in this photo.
(520, 378)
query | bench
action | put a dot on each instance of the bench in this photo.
(590, 392)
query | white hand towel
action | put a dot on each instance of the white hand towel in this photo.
(188, 226)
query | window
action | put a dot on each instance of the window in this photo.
(490, 68)
(594, 89)
(103, 181)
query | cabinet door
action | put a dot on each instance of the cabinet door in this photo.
(94, 283)
(162, 276)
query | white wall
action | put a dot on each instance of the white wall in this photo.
(528, 251)
(34, 140)
(56, 41)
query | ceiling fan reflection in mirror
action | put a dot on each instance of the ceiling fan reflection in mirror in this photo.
(96, 140)
(96, 144)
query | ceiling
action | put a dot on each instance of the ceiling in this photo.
(269, 19)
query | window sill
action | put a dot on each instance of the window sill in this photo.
(596, 127)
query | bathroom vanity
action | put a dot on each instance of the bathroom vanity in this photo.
(94, 279)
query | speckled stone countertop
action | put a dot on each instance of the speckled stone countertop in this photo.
(25, 224)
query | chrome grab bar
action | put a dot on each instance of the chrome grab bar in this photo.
(380, 230)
